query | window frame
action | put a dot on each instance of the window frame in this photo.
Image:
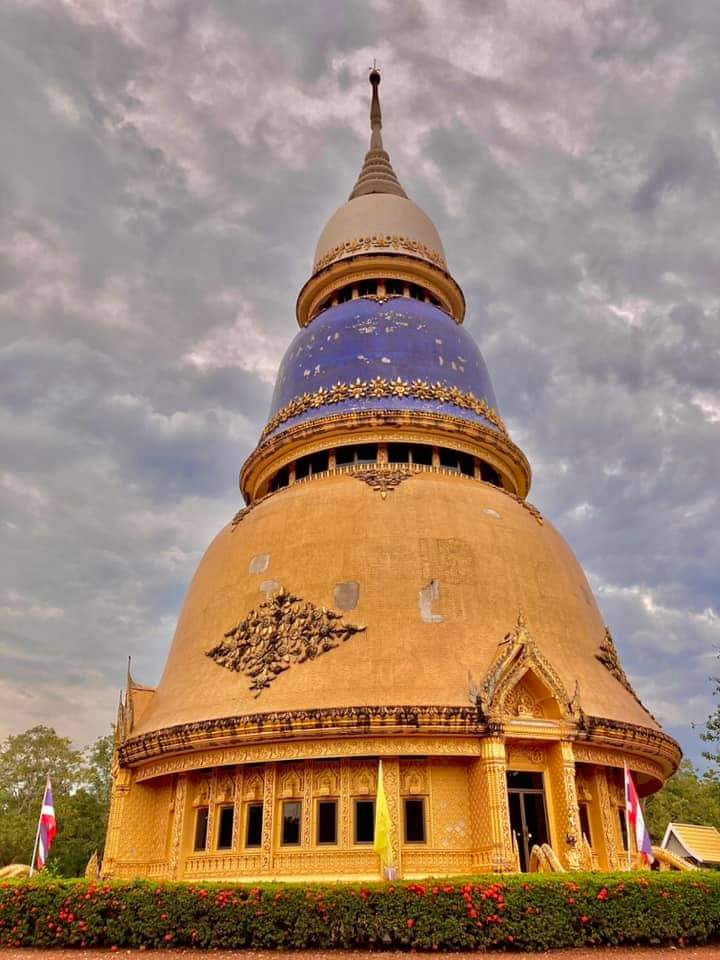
(219, 810)
(256, 804)
(202, 809)
(423, 808)
(290, 843)
(320, 801)
(356, 801)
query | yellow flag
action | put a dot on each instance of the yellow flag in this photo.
(382, 843)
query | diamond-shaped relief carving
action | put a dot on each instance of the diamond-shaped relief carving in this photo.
(279, 632)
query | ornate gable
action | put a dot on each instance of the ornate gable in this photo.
(521, 683)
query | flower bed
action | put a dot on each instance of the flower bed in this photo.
(518, 912)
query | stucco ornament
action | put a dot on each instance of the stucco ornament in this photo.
(281, 631)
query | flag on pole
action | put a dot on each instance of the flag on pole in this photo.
(47, 828)
(383, 825)
(636, 819)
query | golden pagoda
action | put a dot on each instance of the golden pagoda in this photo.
(386, 593)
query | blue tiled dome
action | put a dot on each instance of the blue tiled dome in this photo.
(365, 340)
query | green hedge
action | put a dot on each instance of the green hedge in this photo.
(519, 912)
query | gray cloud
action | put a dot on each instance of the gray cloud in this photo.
(166, 170)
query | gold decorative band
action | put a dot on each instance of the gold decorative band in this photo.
(379, 388)
(381, 241)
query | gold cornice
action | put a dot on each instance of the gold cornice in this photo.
(395, 242)
(379, 266)
(384, 476)
(442, 730)
(378, 389)
(379, 426)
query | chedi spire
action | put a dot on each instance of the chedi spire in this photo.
(377, 174)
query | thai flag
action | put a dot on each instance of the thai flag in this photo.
(48, 827)
(636, 819)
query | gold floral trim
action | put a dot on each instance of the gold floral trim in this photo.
(387, 240)
(378, 388)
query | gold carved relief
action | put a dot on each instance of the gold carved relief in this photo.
(519, 656)
(413, 777)
(290, 783)
(379, 388)
(390, 241)
(253, 785)
(363, 780)
(327, 780)
(382, 480)
(281, 631)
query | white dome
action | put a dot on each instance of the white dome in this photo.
(379, 223)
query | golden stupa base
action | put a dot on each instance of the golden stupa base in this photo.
(471, 821)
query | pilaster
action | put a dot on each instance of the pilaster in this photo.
(494, 767)
(237, 809)
(565, 805)
(610, 845)
(178, 826)
(122, 779)
(391, 779)
(269, 782)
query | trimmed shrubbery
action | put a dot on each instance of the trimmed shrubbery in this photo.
(522, 912)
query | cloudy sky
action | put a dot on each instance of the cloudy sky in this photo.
(166, 168)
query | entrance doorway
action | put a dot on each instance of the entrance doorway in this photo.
(528, 817)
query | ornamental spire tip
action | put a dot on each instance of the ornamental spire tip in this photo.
(377, 174)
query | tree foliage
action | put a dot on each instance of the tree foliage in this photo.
(81, 791)
(685, 798)
(711, 734)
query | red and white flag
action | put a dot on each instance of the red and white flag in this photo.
(48, 827)
(636, 819)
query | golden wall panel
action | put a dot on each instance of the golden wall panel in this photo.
(449, 808)
(143, 831)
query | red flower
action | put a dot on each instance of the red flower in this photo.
(410, 923)
(603, 895)
(585, 918)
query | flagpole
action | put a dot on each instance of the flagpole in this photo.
(627, 815)
(37, 832)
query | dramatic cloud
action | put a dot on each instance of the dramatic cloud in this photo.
(166, 170)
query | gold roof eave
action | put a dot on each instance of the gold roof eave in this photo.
(373, 258)
(382, 426)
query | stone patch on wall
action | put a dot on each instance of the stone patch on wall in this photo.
(346, 595)
(428, 596)
(260, 563)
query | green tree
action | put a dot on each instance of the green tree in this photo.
(81, 792)
(685, 798)
(83, 815)
(26, 759)
(711, 733)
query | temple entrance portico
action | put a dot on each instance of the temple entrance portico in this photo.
(528, 813)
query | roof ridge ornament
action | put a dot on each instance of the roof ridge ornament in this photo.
(377, 174)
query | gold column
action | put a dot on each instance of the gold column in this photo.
(178, 826)
(269, 780)
(565, 805)
(345, 806)
(494, 767)
(391, 778)
(480, 826)
(306, 837)
(121, 780)
(610, 845)
(212, 794)
(237, 809)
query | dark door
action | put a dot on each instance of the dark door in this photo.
(528, 819)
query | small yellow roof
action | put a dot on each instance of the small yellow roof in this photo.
(701, 842)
